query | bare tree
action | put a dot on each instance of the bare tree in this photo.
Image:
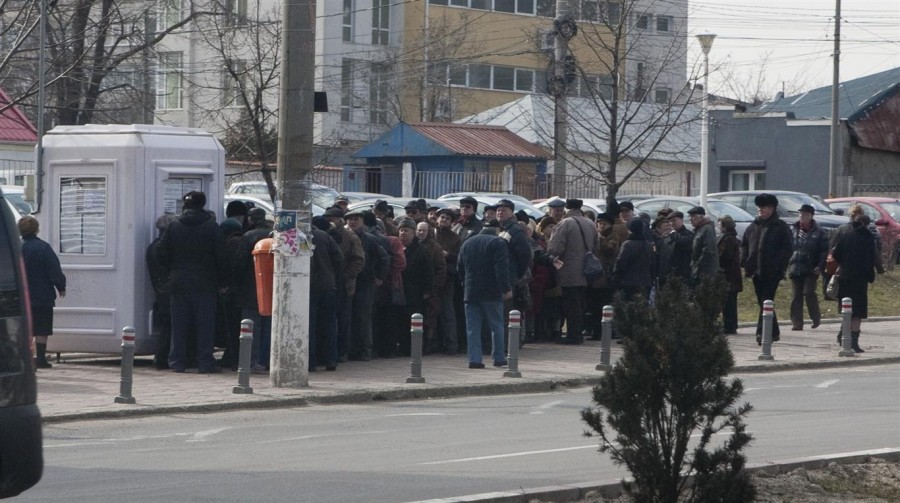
(97, 51)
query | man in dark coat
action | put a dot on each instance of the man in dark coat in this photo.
(679, 241)
(704, 253)
(354, 261)
(805, 265)
(374, 273)
(258, 228)
(484, 269)
(325, 273)
(467, 225)
(418, 276)
(730, 268)
(450, 242)
(765, 251)
(193, 251)
(633, 272)
(162, 317)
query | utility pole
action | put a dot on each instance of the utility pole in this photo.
(835, 156)
(565, 30)
(290, 304)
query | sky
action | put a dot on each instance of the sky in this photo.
(772, 45)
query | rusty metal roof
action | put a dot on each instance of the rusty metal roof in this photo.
(14, 126)
(478, 140)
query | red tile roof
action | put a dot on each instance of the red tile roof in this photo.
(14, 126)
(471, 139)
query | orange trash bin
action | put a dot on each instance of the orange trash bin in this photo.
(264, 264)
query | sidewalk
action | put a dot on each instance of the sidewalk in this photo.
(85, 388)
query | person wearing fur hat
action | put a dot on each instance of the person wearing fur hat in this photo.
(766, 250)
(193, 251)
(574, 236)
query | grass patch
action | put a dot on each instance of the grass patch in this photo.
(883, 296)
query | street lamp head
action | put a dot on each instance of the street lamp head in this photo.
(706, 41)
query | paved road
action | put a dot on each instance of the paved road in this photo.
(403, 451)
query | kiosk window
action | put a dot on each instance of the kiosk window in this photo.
(82, 215)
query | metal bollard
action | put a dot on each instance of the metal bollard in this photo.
(846, 338)
(244, 367)
(125, 380)
(415, 349)
(768, 316)
(512, 357)
(606, 339)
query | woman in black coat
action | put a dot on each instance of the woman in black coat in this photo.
(632, 274)
(855, 253)
(45, 279)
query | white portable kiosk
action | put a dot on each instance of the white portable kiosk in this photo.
(104, 187)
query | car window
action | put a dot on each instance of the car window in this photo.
(720, 209)
(11, 304)
(892, 209)
(737, 200)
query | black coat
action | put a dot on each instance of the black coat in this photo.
(325, 266)
(810, 250)
(418, 277)
(483, 267)
(193, 251)
(855, 252)
(634, 264)
(518, 247)
(45, 276)
(766, 249)
(680, 243)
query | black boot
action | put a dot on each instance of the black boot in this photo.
(42, 362)
(855, 343)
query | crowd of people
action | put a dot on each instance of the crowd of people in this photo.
(464, 271)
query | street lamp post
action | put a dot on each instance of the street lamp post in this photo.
(706, 41)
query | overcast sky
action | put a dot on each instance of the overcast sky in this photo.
(792, 41)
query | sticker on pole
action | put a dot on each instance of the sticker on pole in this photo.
(285, 220)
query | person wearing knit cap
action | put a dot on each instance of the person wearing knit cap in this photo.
(573, 238)
(523, 217)
(235, 249)
(766, 250)
(238, 210)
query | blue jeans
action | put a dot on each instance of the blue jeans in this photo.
(490, 311)
(193, 311)
(322, 317)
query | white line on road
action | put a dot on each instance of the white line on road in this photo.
(510, 455)
(541, 408)
(827, 383)
(418, 414)
(202, 436)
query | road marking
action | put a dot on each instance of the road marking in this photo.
(322, 435)
(827, 383)
(202, 436)
(541, 408)
(108, 441)
(510, 455)
(417, 414)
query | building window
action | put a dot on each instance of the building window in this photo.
(347, 84)
(747, 180)
(663, 24)
(613, 13)
(505, 5)
(233, 79)
(546, 8)
(170, 13)
(460, 3)
(82, 215)
(605, 87)
(524, 80)
(480, 76)
(437, 2)
(458, 75)
(642, 22)
(381, 22)
(504, 78)
(525, 6)
(662, 95)
(590, 10)
(348, 21)
(237, 12)
(378, 93)
(169, 85)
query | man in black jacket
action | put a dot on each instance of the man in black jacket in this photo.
(807, 262)
(325, 272)
(377, 266)
(193, 251)
(765, 251)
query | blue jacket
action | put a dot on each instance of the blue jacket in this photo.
(483, 267)
(518, 247)
(45, 276)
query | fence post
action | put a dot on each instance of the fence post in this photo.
(846, 339)
(125, 380)
(606, 339)
(768, 315)
(415, 335)
(512, 358)
(244, 367)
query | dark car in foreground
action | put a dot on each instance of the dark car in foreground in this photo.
(21, 451)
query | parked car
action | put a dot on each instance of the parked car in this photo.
(491, 198)
(15, 194)
(598, 206)
(396, 203)
(885, 213)
(258, 202)
(789, 203)
(321, 195)
(21, 449)
(714, 209)
(355, 197)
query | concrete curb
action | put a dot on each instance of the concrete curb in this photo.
(422, 392)
(825, 321)
(573, 492)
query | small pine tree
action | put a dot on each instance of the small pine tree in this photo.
(670, 384)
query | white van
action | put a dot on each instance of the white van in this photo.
(15, 194)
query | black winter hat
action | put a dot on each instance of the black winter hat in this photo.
(765, 199)
(574, 204)
(194, 199)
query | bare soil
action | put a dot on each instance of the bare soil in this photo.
(875, 481)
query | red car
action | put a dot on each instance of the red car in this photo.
(885, 213)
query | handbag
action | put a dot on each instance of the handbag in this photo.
(593, 269)
(831, 265)
(831, 292)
